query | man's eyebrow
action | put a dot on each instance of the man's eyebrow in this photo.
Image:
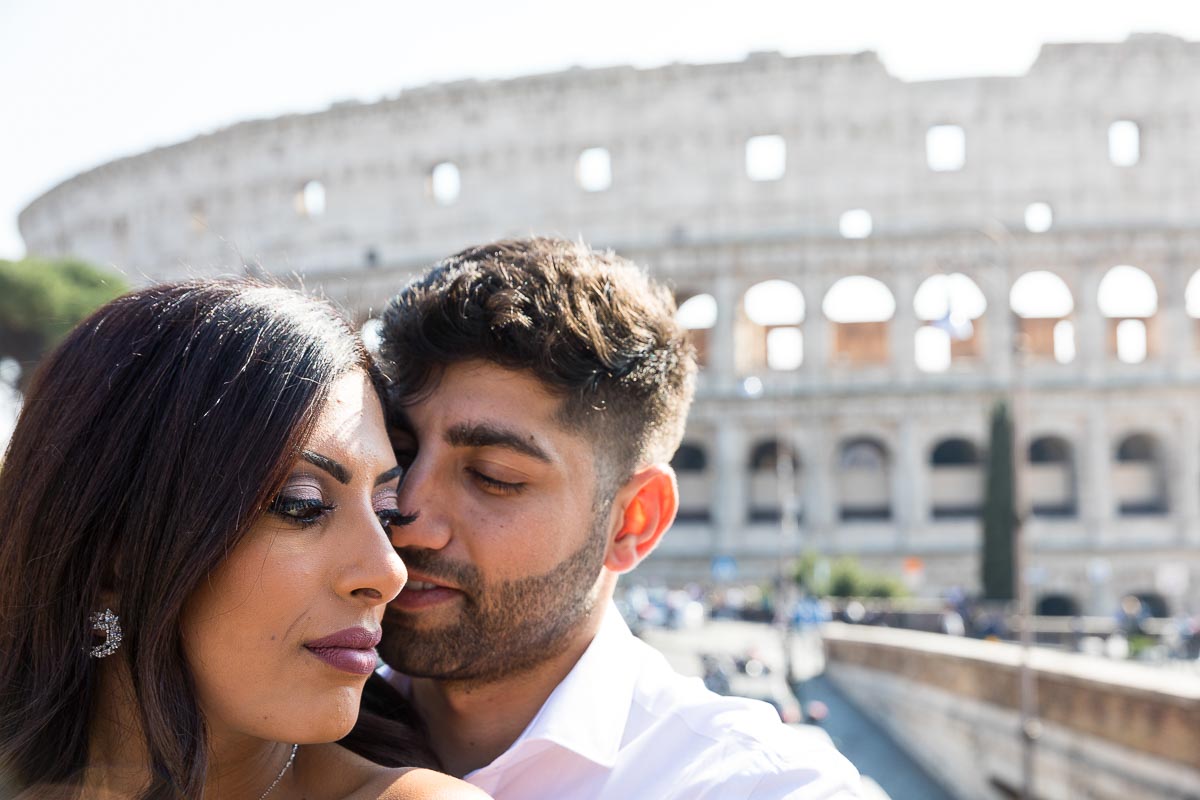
(483, 434)
(339, 473)
(391, 474)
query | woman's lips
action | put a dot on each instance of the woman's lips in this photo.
(351, 650)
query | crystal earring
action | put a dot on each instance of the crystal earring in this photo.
(107, 623)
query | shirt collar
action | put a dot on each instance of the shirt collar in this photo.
(586, 713)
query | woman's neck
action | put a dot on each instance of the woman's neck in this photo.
(240, 767)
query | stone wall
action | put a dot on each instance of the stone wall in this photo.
(349, 201)
(1110, 730)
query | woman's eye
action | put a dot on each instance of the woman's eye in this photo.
(303, 510)
(393, 516)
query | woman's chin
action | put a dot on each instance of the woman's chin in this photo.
(324, 718)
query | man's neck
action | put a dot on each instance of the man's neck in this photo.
(472, 723)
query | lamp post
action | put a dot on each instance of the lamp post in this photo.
(1030, 724)
(785, 480)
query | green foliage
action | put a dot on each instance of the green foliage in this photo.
(999, 511)
(845, 577)
(41, 300)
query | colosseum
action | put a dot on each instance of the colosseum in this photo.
(867, 265)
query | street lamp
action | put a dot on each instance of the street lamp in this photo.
(1030, 724)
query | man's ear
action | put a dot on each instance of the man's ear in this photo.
(647, 504)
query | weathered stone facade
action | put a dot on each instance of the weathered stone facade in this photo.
(353, 200)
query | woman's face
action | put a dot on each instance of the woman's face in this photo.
(280, 638)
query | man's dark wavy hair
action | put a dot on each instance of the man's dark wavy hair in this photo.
(591, 326)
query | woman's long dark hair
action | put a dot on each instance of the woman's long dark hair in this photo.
(149, 442)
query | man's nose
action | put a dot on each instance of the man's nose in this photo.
(426, 498)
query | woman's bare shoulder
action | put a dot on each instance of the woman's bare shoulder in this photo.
(422, 784)
(360, 779)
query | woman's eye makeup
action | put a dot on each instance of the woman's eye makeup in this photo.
(301, 502)
(394, 516)
(303, 510)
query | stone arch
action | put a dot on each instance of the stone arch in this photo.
(864, 479)
(697, 313)
(1045, 310)
(1053, 486)
(765, 474)
(767, 334)
(956, 479)
(1057, 604)
(1153, 603)
(310, 199)
(950, 310)
(1191, 297)
(1128, 298)
(1140, 475)
(694, 473)
(860, 309)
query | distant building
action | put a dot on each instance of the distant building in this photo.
(856, 254)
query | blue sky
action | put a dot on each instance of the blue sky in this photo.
(82, 82)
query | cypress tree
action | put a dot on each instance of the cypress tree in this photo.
(999, 511)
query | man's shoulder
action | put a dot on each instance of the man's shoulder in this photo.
(702, 738)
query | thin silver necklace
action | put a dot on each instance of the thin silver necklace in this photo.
(279, 777)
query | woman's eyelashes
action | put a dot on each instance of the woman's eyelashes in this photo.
(302, 510)
(394, 516)
(304, 504)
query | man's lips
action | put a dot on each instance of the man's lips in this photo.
(422, 592)
(351, 650)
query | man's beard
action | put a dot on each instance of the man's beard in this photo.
(503, 629)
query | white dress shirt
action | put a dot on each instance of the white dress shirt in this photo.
(623, 725)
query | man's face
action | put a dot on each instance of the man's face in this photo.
(505, 555)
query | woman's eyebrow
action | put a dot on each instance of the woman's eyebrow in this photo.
(339, 472)
(391, 474)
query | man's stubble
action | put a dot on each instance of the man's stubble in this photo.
(502, 630)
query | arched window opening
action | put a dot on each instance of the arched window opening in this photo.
(955, 453)
(1124, 143)
(1043, 305)
(768, 332)
(445, 183)
(1039, 217)
(946, 148)
(695, 482)
(859, 308)
(1052, 485)
(372, 334)
(593, 170)
(864, 480)
(1139, 476)
(766, 158)
(1191, 299)
(1057, 605)
(310, 200)
(1129, 299)
(698, 314)
(1153, 604)
(956, 482)
(950, 308)
(855, 224)
(766, 471)
(690, 458)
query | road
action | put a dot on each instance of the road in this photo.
(888, 772)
